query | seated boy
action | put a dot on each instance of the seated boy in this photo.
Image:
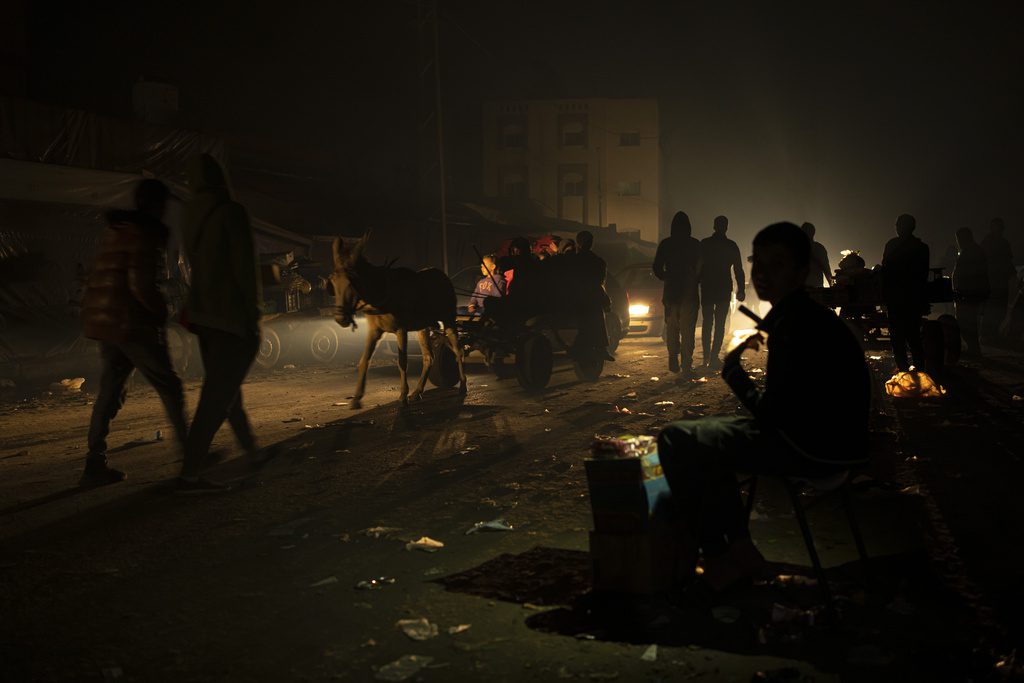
(490, 286)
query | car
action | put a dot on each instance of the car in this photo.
(643, 290)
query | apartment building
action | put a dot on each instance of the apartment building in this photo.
(596, 161)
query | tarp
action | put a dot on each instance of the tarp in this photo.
(30, 131)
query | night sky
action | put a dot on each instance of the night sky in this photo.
(845, 116)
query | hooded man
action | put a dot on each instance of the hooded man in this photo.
(1002, 275)
(124, 310)
(720, 256)
(904, 281)
(971, 284)
(222, 310)
(677, 263)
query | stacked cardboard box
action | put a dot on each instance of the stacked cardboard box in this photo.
(635, 545)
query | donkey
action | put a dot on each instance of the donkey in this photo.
(397, 300)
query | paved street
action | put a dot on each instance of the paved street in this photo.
(131, 582)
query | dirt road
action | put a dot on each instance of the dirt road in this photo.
(131, 582)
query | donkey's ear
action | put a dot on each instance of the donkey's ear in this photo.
(357, 250)
(340, 254)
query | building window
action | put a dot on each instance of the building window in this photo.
(573, 185)
(512, 133)
(629, 139)
(572, 130)
(512, 183)
(629, 188)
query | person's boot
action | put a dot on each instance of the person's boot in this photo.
(98, 473)
(673, 362)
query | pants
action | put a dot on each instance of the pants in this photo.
(904, 331)
(226, 361)
(119, 359)
(700, 459)
(680, 327)
(715, 311)
(968, 314)
(994, 313)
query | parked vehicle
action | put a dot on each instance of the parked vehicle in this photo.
(643, 294)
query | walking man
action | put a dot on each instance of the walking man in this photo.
(1002, 275)
(904, 279)
(720, 256)
(820, 267)
(677, 264)
(971, 284)
(124, 310)
(222, 310)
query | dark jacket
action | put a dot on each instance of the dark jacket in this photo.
(218, 240)
(820, 267)
(590, 272)
(817, 388)
(677, 263)
(719, 255)
(970, 277)
(122, 301)
(905, 272)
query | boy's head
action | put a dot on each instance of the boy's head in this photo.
(781, 260)
(487, 266)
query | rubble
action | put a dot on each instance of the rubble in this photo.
(402, 668)
(499, 524)
(417, 629)
(424, 543)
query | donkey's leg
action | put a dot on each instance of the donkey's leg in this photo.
(453, 344)
(403, 363)
(428, 359)
(373, 335)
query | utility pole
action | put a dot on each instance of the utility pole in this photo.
(430, 56)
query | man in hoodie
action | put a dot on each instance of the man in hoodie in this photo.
(222, 310)
(124, 310)
(677, 263)
(972, 286)
(904, 280)
(720, 256)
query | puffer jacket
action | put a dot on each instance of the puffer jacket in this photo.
(122, 301)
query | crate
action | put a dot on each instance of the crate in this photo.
(625, 493)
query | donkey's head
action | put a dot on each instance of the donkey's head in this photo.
(345, 278)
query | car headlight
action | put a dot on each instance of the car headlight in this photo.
(639, 309)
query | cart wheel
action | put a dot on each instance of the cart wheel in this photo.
(951, 335)
(325, 342)
(444, 369)
(588, 366)
(614, 327)
(270, 349)
(533, 362)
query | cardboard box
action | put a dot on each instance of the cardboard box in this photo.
(625, 493)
